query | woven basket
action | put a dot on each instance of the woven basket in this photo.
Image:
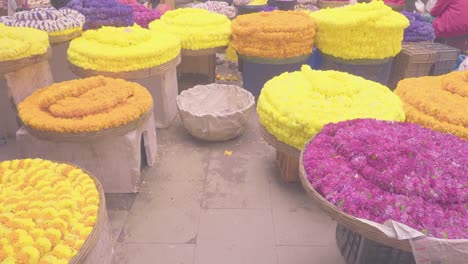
(131, 75)
(202, 52)
(287, 157)
(89, 136)
(63, 38)
(346, 220)
(331, 4)
(97, 248)
(14, 65)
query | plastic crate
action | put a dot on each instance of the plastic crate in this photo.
(374, 70)
(356, 249)
(414, 60)
(446, 58)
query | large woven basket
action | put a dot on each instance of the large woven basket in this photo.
(97, 248)
(346, 220)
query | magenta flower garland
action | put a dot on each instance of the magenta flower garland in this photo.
(380, 170)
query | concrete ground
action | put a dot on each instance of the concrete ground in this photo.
(197, 205)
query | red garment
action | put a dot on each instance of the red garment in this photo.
(451, 18)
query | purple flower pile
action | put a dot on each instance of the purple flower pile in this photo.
(143, 16)
(419, 29)
(380, 170)
(100, 13)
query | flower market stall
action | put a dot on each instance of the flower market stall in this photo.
(153, 57)
(97, 117)
(52, 213)
(396, 185)
(286, 101)
(270, 43)
(61, 25)
(24, 67)
(202, 35)
(363, 41)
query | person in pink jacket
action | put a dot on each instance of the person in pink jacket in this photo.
(451, 18)
(450, 21)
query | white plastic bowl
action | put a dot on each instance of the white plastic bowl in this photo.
(215, 112)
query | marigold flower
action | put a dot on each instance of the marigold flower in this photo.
(18, 43)
(361, 31)
(84, 105)
(295, 106)
(196, 28)
(42, 226)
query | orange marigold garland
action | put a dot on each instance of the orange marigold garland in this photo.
(277, 35)
(437, 102)
(85, 105)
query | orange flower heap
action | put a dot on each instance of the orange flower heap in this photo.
(85, 105)
(437, 102)
(277, 35)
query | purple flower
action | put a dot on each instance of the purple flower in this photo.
(419, 29)
(382, 170)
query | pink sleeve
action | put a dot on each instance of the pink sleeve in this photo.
(440, 7)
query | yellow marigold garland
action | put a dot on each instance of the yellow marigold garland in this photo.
(438, 102)
(17, 43)
(197, 28)
(85, 105)
(47, 211)
(277, 34)
(112, 49)
(295, 106)
(360, 31)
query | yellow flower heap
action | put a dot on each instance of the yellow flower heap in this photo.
(18, 43)
(47, 211)
(197, 28)
(277, 34)
(437, 102)
(85, 105)
(295, 106)
(122, 49)
(361, 31)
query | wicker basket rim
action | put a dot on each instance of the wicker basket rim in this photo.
(13, 65)
(250, 104)
(278, 145)
(143, 73)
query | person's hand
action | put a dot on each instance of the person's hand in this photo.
(428, 18)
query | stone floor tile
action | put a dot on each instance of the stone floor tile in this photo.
(236, 227)
(308, 255)
(168, 213)
(139, 253)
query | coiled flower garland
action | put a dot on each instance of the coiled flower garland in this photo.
(295, 106)
(360, 31)
(47, 211)
(197, 28)
(379, 171)
(55, 22)
(419, 29)
(113, 49)
(17, 43)
(217, 7)
(277, 34)
(85, 105)
(437, 102)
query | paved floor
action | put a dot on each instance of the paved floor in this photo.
(198, 206)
